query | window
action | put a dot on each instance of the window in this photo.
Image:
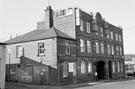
(65, 70)
(117, 50)
(112, 49)
(116, 35)
(108, 49)
(82, 45)
(121, 66)
(83, 67)
(77, 16)
(108, 34)
(88, 46)
(88, 27)
(101, 31)
(68, 45)
(111, 35)
(96, 29)
(19, 51)
(82, 26)
(41, 48)
(89, 67)
(70, 11)
(118, 66)
(113, 67)
(102, 48)
(97, 47)
(119, 37)
(120, 50)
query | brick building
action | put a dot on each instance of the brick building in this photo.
(74, 45)
(2, 65)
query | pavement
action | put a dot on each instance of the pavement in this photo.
(10, 85)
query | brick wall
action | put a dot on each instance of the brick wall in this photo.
(31, 52)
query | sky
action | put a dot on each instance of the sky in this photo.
(21, 16)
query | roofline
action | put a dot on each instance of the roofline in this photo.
(2, 43)
(38, 39)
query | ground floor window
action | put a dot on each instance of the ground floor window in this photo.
(118, 66)
(89, 67)
(113, 67)
(83, 67)
(65, 70)
(121, 66)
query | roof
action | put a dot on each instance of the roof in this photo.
(2, 43)
(39, 35)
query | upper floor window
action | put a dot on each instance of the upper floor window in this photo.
(108, 49)
(96, 32)
(102, 48)
(120, 50)
(83, 67)
(101, 31)
(112, 48)
(116, 36)
(97, 47)
(117, 50)
(89, 67)
(119, 37)
(108, 34)
(19, 51)
(77, 14)
(88, 27)
(111, 35)
(88, 46)
(82, 26)
(41, 48)
(68, 45)
(82, 45)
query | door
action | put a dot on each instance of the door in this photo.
(110, 69)
(101, 69)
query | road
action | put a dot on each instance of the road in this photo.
(113, 85)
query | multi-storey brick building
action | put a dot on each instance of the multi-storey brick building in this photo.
(77, 44)
(2, 65)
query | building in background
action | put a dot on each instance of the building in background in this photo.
(69, 46)
(2, 65)
(130, 64)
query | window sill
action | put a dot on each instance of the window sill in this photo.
(40, 55)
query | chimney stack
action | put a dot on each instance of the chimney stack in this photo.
(48, 17)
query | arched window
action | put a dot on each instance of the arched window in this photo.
(97, 47)
(82, 45)
(121, 66)
(118, 66)
(83, 67)
(102, 48)
(88, 46)
(89, 67)
(112, 49)
(113, 67)
(108, 49)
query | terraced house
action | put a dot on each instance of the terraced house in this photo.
(69, 46)
(2, 65)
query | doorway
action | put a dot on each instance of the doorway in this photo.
(101, 69)
(110, 69)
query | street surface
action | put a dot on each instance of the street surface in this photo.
(112, 85)
(103, 84)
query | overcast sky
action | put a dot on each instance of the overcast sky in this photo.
(20, 16)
